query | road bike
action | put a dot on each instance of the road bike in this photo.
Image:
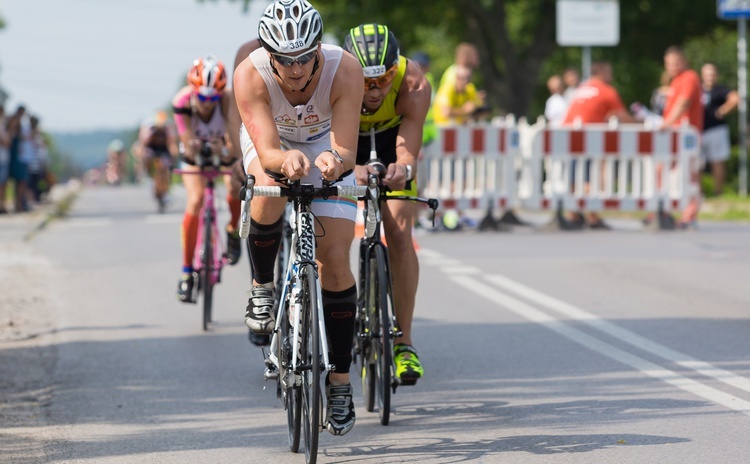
(162, 174)
(298, 353)
(210, 254)
(376, 325)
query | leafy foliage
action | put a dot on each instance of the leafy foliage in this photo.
(517, 42)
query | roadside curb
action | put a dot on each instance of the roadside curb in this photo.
(61, 199)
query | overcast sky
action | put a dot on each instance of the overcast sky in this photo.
(108, 64)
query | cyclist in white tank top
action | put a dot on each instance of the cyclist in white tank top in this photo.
(299, 102)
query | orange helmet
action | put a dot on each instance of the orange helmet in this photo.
(207, 76)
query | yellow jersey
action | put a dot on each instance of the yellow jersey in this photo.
(385, 117)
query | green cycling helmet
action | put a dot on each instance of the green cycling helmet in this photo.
(375, 46)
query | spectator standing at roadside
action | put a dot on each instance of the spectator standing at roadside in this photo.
(466, 55)
(556, 105)
(429, 131)
(718, 101)
(659, 95)
(4, 157)
(683, 103)
(457, 100)
(37, 162)
(595, 102)
(19, 130)
(571, 80)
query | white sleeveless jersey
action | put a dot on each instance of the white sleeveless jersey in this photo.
(215, 128)
(306, 123)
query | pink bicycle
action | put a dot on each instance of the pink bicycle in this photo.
(210, 253)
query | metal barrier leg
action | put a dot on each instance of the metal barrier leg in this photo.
(510, 218)
(559, 222)
(488, 222)
(662, 220)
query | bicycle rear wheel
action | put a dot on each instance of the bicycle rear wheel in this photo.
(381, 327)
(207, 262)
(310, 355)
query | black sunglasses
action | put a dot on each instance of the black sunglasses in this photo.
(287, 61)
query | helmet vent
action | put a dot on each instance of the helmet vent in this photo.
(304, 27)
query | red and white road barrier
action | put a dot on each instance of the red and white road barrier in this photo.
(469, 167)
(592, 167)
(598, 167)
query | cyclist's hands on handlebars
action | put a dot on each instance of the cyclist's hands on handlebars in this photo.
(330, 167)
(295, 165)
(395, 176)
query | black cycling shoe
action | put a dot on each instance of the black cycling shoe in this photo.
(234, 247)
(185, 289)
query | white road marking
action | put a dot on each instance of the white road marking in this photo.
(646, 367)
(573, 312)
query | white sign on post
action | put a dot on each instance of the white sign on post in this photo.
(588, 22)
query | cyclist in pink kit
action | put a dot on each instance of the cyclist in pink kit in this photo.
(200, 114)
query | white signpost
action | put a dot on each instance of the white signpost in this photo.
(739, 10)
(587, 23)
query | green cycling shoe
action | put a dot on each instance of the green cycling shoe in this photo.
(408, 367)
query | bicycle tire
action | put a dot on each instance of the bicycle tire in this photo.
(292, 399)
(365, 333)
(384, 344)
(207, 259)
(282, 257)
(310, 352)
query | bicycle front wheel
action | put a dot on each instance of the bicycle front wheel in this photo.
(381, 326)
(364, 333)
(292, 399)
(310, 355)
(207, 262)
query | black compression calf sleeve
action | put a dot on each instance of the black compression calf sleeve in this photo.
(339, 309)
(263, 244)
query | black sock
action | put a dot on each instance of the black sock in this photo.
(263, 244)
(339, 309)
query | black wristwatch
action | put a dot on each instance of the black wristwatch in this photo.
(336, 154)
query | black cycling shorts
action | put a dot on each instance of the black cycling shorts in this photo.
(385, 144)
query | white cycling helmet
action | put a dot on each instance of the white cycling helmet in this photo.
(288, 26)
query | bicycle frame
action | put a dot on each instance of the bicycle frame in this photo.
(305, 356)
(301, 259)
(377, 324)
(208, 214)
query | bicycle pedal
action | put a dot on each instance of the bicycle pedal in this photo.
(269, 374)
(406, 382)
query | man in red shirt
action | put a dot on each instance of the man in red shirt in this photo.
(684, 97)
(595, 101)
(683, 101)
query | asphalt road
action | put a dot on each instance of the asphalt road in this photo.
(622, 346)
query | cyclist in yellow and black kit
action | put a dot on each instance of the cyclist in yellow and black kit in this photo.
(395, 103)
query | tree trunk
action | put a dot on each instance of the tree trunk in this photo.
(511, 88)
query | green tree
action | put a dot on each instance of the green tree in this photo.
(517, 44)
